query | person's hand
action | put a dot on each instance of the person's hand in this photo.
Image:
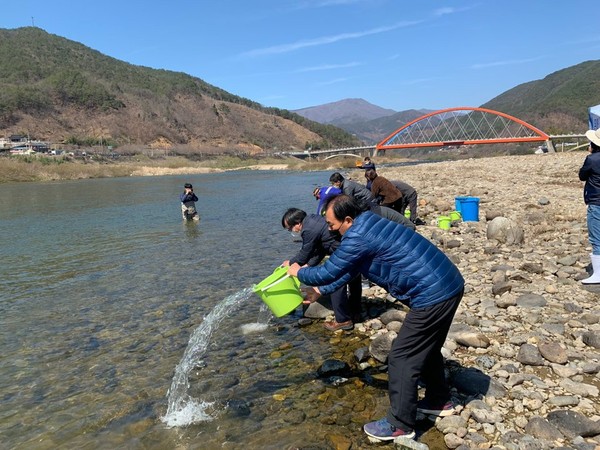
(312, 295)
(286, 263)
(293, 270)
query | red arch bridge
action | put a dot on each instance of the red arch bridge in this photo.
(451, 127)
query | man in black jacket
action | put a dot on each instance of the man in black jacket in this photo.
(317, 242)
(363, 196)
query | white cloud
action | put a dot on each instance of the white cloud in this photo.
(505, 63)
(327, 67)
(334, 81)
(286, 48)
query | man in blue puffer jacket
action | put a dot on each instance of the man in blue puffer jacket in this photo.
(317, 242)
(418, 274)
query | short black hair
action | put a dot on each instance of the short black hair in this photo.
(343, 206)
(188, 186)
(292, 217)
(335, 177)
(595, 148)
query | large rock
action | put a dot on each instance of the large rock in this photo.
(474, 382)
(505, 231)
(573, 424)
(380, 346)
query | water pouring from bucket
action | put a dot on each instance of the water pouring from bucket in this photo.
(280, 292)
(183, 409)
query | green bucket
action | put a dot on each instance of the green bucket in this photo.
(444, 222)
(455, 216)
(280, 292)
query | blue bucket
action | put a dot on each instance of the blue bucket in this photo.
(469, 209)
(457, 201)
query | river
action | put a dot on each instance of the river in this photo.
(102, 289)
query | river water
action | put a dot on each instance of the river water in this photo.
(103, 290)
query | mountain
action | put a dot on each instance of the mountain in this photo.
(59, 90)
(346, 111)
(556, 104)
(373, 131)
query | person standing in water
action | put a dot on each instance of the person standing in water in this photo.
(188, 203)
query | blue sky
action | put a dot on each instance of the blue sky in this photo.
(397, 54)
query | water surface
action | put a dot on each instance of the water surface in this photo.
(102, 285)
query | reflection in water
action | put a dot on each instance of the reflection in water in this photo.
(191, 228)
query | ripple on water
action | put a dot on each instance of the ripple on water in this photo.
(192, 412)
(249, 328)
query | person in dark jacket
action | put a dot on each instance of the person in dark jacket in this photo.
(188, 203)
(417, 273)
(317, 242)
(409, 200)
(366, 165)
(383, 190)
(362, 195)
(590, 173)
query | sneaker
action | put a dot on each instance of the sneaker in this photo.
(447, 409)
(334, 326)
(385, 431)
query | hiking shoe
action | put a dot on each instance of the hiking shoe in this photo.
(447, 409)
(419, 221)
(334, 326)
(385, 431)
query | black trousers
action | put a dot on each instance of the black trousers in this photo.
(416, 353)
(396, 206)
(346, 304)
(410, 202)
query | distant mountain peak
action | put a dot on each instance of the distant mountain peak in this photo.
(344, 111)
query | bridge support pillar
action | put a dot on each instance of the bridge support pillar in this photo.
(550, 146)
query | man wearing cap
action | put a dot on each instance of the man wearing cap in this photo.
(590, 173)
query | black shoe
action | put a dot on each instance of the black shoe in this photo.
(418, 221)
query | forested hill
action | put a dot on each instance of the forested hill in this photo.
(557, 103)
(60, 90)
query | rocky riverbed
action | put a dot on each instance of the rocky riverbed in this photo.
(523, 355)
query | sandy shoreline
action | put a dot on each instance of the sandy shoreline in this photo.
(159, 171)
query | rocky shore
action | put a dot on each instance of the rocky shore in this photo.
(523, 355)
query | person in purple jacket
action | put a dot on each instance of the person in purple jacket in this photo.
(323, 194)
(417, 273)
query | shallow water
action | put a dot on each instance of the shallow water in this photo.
(102, 286)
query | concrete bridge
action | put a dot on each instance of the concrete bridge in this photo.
(453, 127)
